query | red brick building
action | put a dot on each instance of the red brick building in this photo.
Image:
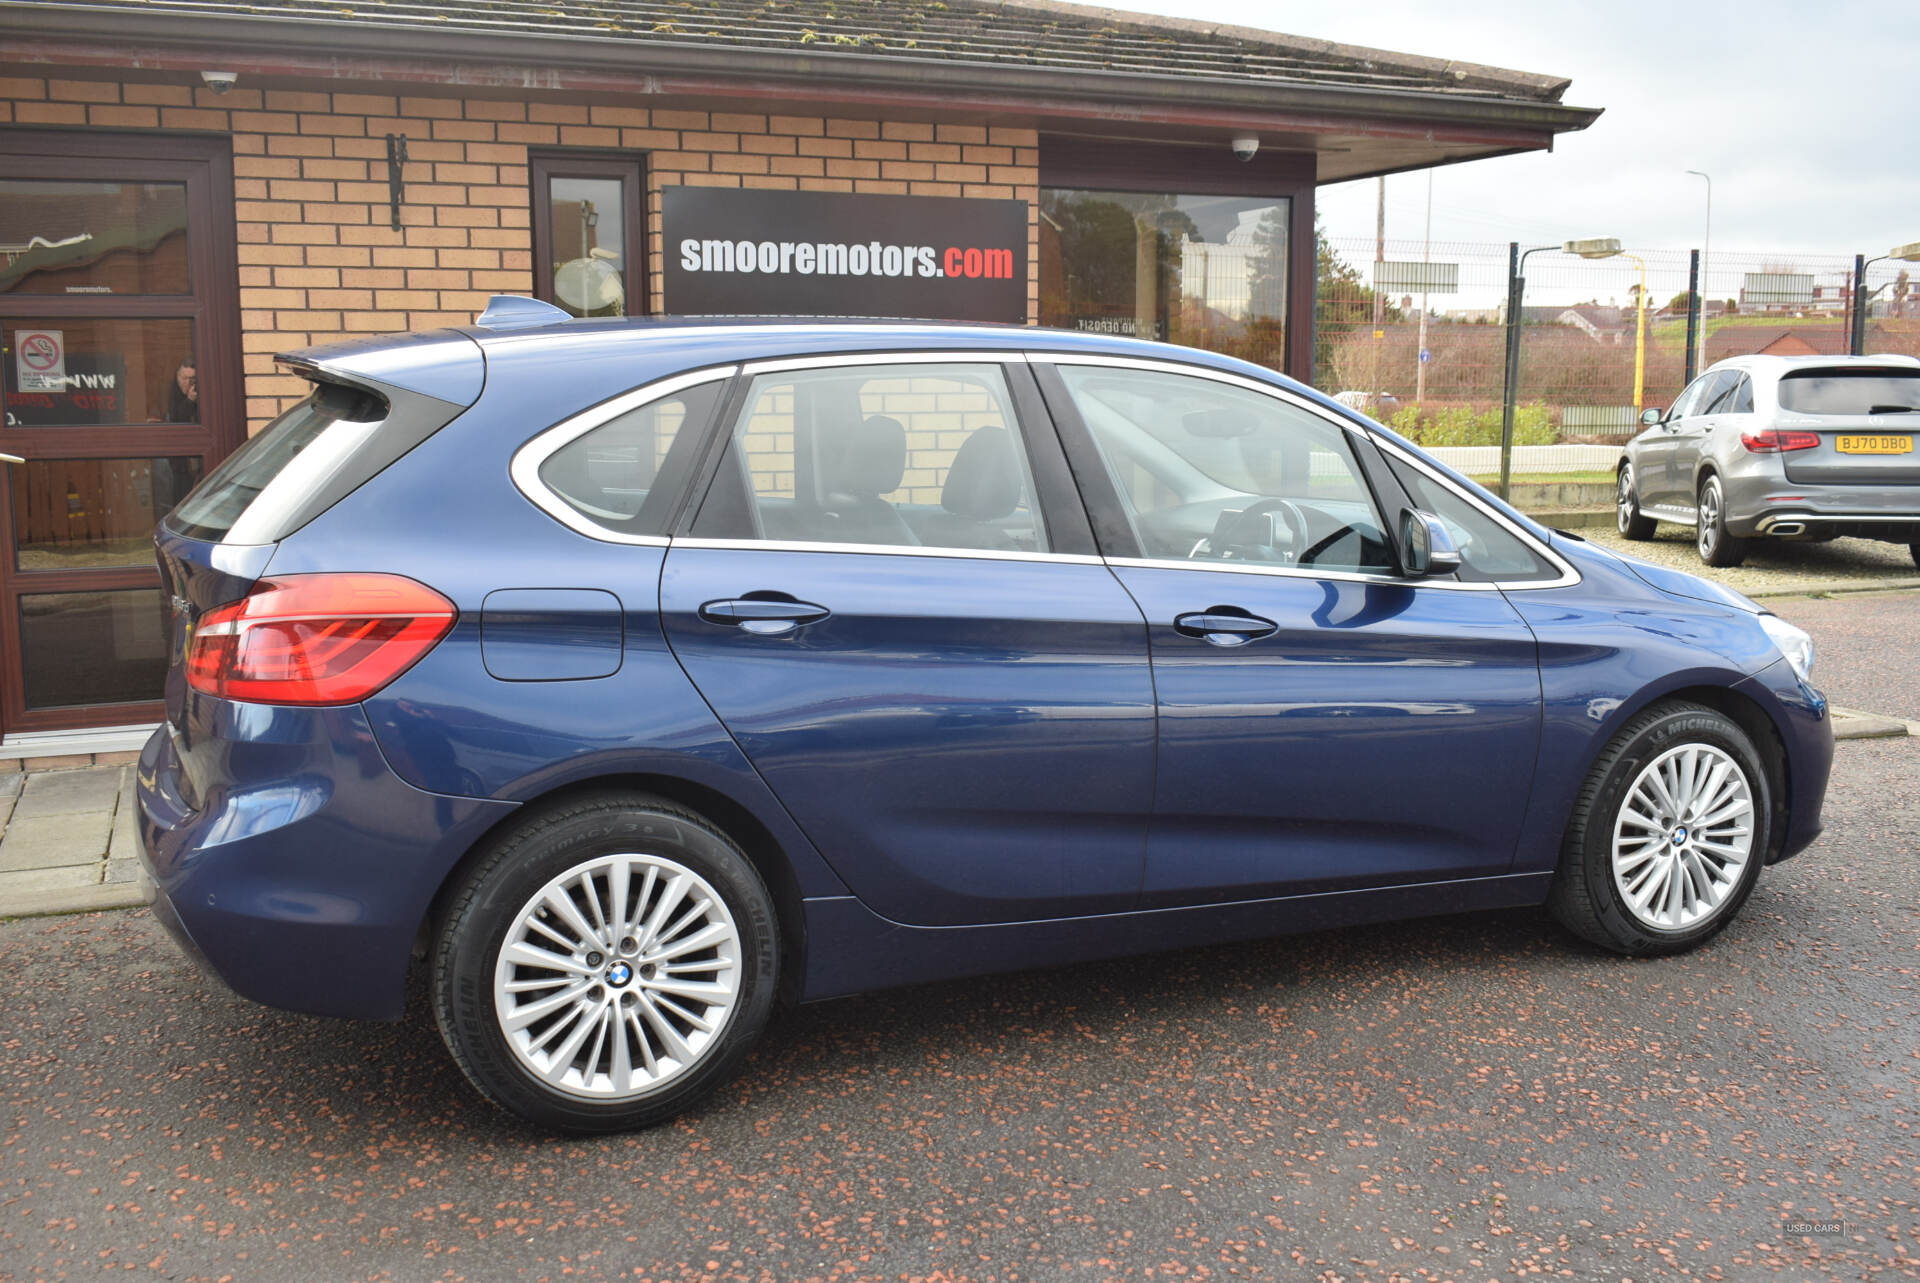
(188, 189)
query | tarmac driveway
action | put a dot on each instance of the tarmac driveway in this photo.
(1475, 1098)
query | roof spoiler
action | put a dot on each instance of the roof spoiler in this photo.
(444, 364)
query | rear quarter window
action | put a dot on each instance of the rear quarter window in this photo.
(252, 497)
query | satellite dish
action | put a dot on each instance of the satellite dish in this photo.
(591, 286)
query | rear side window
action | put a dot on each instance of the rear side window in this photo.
(625, 474)
(1862, 390)
(254, 497)
(909, 455)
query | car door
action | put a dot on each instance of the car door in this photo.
(1694, 435)
(1325, 723)
(1653, 450)
(890, 597)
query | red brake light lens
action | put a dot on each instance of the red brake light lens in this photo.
(1774, 442)
(316, 639)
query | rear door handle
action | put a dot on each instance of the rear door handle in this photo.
(1224, 626)
(763, 616)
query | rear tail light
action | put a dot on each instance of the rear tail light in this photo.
(1773, 442)
(316, 639)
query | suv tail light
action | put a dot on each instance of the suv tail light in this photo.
(1773, 442)
(316, 639)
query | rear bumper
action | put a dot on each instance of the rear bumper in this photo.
(1773, 505)
(290, 860)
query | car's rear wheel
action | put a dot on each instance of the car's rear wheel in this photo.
(1913, 550)
(1634, 524)
(605, 964)
(1668, 833)
(1717, 547)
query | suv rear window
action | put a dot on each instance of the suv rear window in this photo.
(252, 497)
(1860, 391)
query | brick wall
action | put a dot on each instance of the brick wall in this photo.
(319, 260)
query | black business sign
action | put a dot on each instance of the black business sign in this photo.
(734, 252)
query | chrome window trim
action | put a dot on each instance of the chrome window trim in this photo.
(1568, 574)
(1300, 572)
(923, 356)
(888, 550)
(525, 467)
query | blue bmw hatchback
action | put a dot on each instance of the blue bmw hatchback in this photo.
(627, 678)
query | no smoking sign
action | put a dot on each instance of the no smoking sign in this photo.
(40, 358)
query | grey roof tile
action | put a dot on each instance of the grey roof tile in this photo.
(1033, 33)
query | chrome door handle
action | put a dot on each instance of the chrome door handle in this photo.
(767, 617)
(1224, 626)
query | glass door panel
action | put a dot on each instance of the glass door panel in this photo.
(62, 237)
(119, 387)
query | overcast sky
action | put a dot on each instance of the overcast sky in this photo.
(1803, 113)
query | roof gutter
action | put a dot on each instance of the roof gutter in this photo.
(528, 59)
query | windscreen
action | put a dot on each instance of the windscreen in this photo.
(1858, 391)
(248, 499)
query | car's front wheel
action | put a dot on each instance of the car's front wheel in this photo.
(1634, 524)
(605, 964)
(1668, 833)
(1717, 547)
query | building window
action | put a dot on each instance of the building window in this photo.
(588, 235)
(1205, 271)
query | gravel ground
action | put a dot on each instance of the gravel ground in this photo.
(1463, 1098)
(1773, 566)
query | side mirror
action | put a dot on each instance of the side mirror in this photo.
(1650, 416)
(1426, 549)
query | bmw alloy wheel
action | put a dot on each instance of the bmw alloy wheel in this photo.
(1683, 837)
(617, 976)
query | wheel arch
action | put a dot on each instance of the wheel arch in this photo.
(1751, 716)
(738, 821)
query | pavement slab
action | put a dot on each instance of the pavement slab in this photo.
(49, 841)
(69, 792)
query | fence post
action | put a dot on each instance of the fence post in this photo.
(1515, 288)
(1857, 341)
(1695, 319)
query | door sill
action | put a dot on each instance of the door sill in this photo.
(93, 739)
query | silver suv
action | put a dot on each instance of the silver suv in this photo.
(1782, 447)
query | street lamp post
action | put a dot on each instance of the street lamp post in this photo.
(1609, 247)
(1909, 253)
(1516, 291)
(1700, 295)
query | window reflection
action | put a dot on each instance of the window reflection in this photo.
(1206, 271)
(589, 246)
(77, 372)
(92, 238)
(93, 647)
(73, 513)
